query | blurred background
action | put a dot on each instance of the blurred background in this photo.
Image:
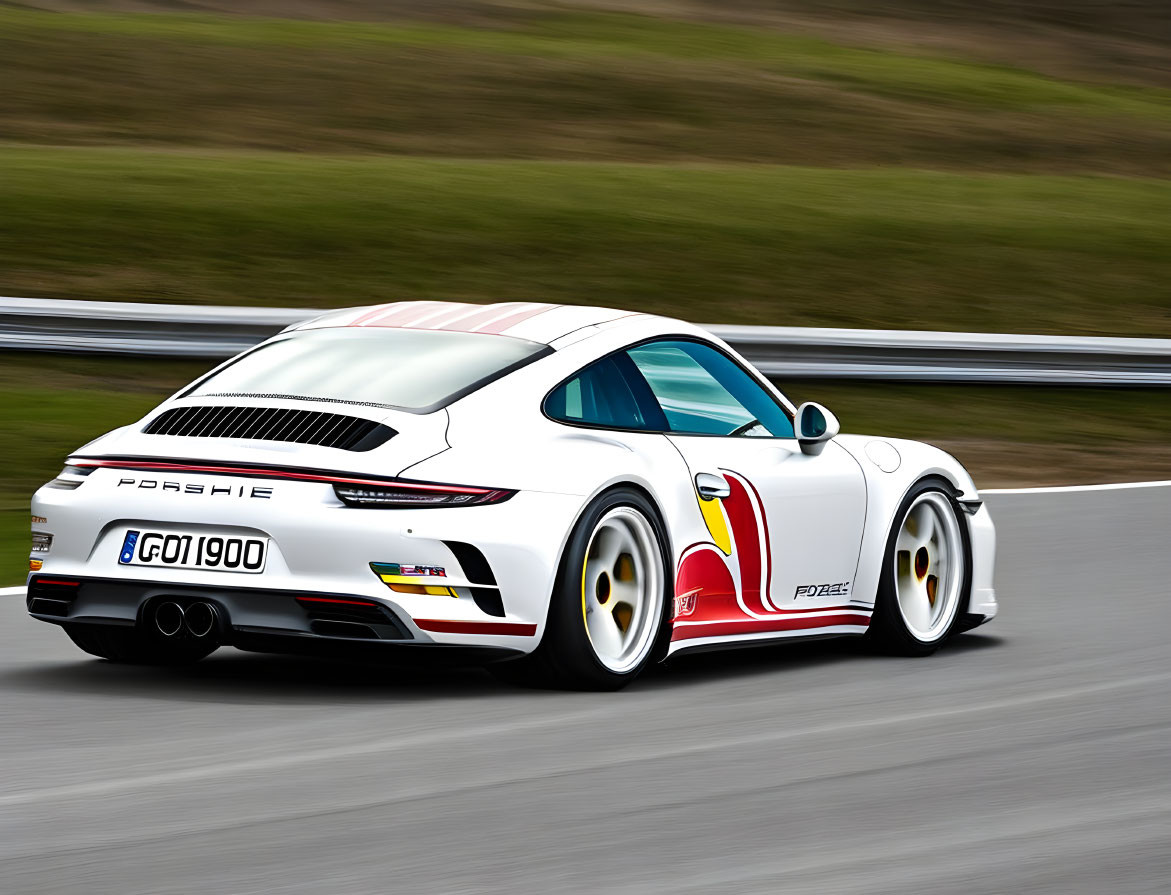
(967, 165)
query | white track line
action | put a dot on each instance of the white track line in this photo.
(11, 591)
(1062, 489)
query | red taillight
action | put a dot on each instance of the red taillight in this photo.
(399, 497)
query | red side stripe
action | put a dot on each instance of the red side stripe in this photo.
(747, 541)
(757, 626)
(447, 626)
(766, 599)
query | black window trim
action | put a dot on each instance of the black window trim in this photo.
(754, 374)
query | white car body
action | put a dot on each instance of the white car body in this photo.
(806, 562)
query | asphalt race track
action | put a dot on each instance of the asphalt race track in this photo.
(1030, 756)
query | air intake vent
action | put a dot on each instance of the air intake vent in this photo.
(349, 433)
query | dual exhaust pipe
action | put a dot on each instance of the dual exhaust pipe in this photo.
(199, 619)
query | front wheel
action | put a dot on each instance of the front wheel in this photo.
(609, 606)
(926, 575)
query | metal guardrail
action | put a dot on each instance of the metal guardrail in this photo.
(780, 352)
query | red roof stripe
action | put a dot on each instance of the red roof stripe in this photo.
(375, 312)
(448, 316)
(404, 315)
(473, 317)
(499, 326)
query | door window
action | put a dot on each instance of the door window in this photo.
(702, 391)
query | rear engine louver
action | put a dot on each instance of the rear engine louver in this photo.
(349, 433)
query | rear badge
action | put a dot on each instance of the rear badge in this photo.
(407, 579)
(394, 568)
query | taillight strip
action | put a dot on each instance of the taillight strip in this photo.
(275, 473)
(452, 626)
(333, 600)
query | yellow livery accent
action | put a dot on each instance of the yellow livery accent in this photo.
(408, 584)
(717, 526)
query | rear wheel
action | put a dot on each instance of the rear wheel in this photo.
(608, 608)
(132, 646)
(926, 576)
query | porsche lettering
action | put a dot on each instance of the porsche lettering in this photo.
(255, 491)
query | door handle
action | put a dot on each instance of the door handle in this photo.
(712, 486)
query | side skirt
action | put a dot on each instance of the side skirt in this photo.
(763, 638)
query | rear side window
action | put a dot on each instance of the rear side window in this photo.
(609, 393)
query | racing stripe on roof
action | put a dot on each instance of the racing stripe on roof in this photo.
(500, 324)
(405, 313)
(449, 317)
(378, 311)
(471, 316)
(452, 316)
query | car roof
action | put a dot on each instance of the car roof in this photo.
(534, 321)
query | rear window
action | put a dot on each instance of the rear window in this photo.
(407, 369)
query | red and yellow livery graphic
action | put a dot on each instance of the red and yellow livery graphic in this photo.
(722, 587)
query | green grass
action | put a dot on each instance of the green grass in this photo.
(558, 84)
(743, 244)
(594, 35)
(52, 405)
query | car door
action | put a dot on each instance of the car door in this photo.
(791, 523)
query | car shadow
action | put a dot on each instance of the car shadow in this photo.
(779, 656)
(237, 677)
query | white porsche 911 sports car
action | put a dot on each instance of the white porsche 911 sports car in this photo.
(563, 493)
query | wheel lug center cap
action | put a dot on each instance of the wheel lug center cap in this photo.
(602, 589)
(922, 562)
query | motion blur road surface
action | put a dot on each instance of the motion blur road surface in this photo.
(1033, 755)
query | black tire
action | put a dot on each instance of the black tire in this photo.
(132, 646)
(566, 658)
(889, 632)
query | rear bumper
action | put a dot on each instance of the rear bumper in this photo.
(317, 546)
(340, 626)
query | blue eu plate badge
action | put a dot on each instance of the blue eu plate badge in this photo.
(128, 546)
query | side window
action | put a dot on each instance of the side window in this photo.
(608, 393)
(704, 392)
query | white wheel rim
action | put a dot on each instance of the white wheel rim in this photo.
(622, 589)
(929, 566)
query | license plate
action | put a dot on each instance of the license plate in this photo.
(184, 550)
